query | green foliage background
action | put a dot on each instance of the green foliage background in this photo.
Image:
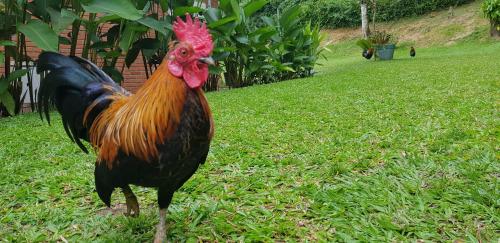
(284, 46)
(346, 13)
(491, 9)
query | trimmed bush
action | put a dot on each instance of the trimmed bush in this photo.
(491, 10)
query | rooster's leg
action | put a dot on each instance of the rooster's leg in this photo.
(161, 229)
(131, 199)
(164, 199)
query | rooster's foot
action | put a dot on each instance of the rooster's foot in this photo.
(132, 204)
(161, 229)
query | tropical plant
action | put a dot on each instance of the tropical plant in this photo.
(11, 92)
(275, 48)
(296, 45)
(238, 44)
(6, 99)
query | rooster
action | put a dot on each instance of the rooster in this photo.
(368, 53)
(156, 137)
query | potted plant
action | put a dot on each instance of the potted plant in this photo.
(491, 10)
(384, 44)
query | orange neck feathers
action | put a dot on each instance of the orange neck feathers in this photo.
(137, 124)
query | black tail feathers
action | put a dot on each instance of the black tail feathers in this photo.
(73, 84)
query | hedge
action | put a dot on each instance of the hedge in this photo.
(346, 13)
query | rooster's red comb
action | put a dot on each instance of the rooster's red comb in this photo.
(195, 33)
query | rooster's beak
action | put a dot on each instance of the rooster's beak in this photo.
(207, 60)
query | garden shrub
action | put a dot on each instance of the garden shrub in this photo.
(491, 10)
(262, 49)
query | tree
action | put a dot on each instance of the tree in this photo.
(374, 12)
(365, 28)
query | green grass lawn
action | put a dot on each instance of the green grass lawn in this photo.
(372, 151)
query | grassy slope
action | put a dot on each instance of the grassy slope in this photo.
(398, 150)
(433, 29)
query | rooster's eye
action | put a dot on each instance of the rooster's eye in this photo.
(183, 52)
